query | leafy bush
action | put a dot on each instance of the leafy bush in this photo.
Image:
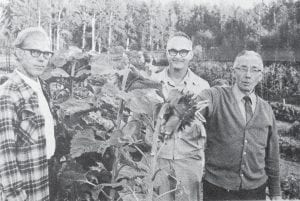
(286, 112)
(290, 188)
(106, 128)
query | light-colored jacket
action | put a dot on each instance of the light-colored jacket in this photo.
(189, 142)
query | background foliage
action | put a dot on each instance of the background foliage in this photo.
(272, 29)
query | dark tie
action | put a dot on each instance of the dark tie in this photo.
(249, 112)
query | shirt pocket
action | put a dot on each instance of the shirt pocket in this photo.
(191, 135)
(30, 127)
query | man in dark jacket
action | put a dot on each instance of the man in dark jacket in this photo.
(242, 154)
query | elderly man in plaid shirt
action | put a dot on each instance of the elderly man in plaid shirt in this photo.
(26, 124)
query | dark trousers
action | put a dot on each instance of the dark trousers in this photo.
(213, 192)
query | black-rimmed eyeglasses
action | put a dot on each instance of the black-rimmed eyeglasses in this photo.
(182, 52)
(37, 53)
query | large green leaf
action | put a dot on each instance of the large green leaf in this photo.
(110, 94)
(132, 131)
(114, 139)
(61, 57)
(105, 64)
(84, 142)
(67, 178)
(130, 197)
(59, 72)
(142, 101)
(95, 118)
(72, 106)
(135, 80)
(69, 173)
(140, 168)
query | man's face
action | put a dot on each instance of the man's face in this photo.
(34, 55)
(248, 72)
(179, 52)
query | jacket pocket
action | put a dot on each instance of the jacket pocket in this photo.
(30, 126)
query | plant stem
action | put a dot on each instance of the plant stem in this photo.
(117, 154)
(154, 158)
(116, 150)
(170, 191)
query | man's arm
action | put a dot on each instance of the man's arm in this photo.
(10, 176)
(272, 161)
(205, 103)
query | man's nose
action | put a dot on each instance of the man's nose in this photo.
(41, 57)
(177, 56)
(248, 73)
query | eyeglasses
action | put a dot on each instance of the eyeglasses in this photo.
(182, 53)
(245, 69)
(37, 53)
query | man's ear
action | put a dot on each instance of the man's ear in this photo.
(233, 73)
(19, 53)
(261, 76)
(192, 54)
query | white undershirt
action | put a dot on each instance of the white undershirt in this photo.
(241, 102)
(45, 112)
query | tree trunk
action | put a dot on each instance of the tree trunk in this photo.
(150, 34)
(58, 30)
(83, 35)
(99, 45)
(50, 25)
(57, 37)
(143, 42)
(93, 32)
(110, 30)
(39, 14)
(127, 44)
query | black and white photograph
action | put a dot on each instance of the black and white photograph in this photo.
(149, 100)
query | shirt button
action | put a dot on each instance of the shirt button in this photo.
(244, 153)
(246, 141)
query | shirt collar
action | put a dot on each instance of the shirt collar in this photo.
(185, 80)
(35, 85)
(239, 95)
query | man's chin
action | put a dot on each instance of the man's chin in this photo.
(178, 67)
(246, 90)
(37, 74)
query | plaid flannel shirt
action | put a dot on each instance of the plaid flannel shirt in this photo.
(23, 162)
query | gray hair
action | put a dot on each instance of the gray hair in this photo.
(180, 34)
(246, 53)
(25, 33)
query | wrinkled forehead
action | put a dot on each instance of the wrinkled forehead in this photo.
(37, 41)
(179, 42)
(249, 61)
